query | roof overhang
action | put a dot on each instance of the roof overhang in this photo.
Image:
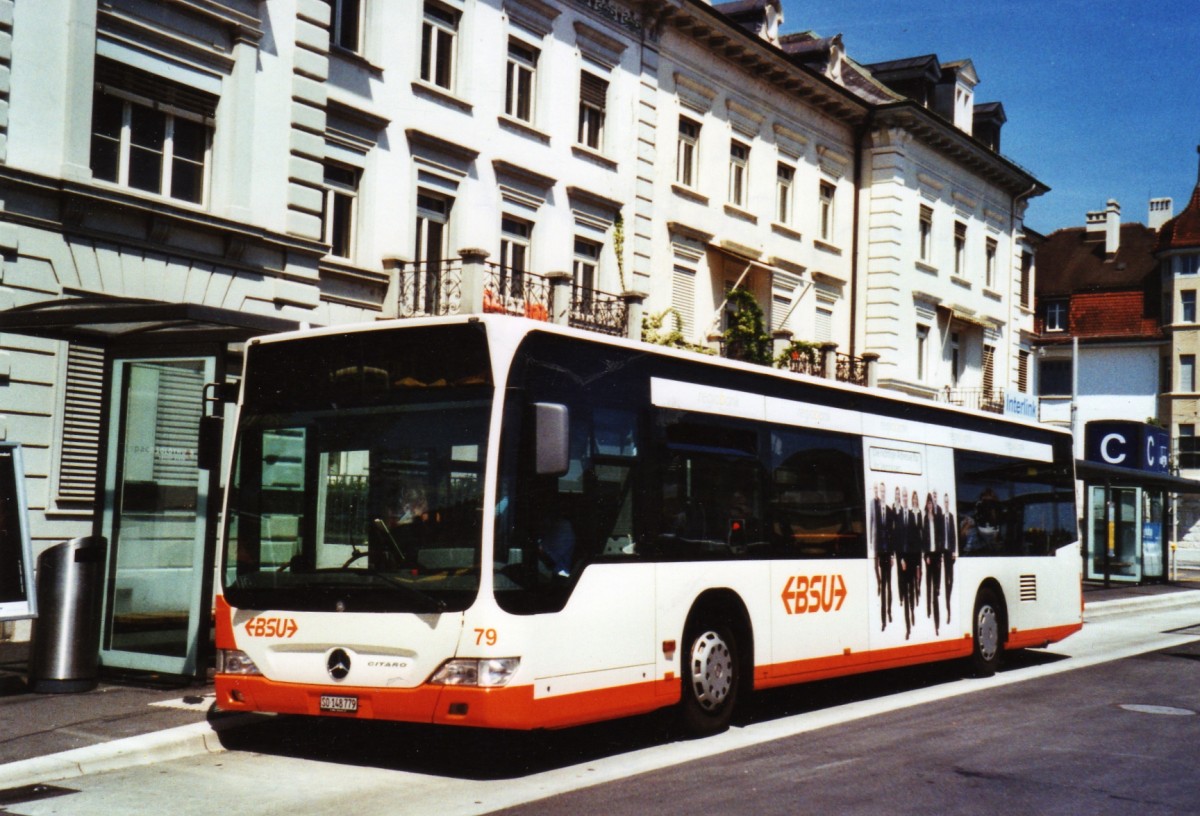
(1096, 472)
(116, 321)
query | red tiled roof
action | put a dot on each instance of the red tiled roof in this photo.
(1112, 314)
(1183, 230)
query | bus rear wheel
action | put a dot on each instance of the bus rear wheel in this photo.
(987, 634)
(711, 677)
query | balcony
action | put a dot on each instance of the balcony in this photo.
(471, 286)
(979, 399)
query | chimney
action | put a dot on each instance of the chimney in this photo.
(1112, 228)
(1161, 211)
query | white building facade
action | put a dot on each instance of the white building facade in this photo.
(178, 176)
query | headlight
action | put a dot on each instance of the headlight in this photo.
(232, 661)
(487, 673)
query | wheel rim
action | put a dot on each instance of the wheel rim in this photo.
(712, 670)
(987, 627)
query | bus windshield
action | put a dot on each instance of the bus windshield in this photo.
(358, 486)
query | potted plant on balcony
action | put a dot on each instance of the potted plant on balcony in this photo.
(745, 337)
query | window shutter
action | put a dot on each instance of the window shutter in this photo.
(156, 91)
(593, 90)
(683, 300)
(989, 369)
(82, 412)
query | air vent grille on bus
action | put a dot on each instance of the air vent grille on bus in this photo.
(1028, 587)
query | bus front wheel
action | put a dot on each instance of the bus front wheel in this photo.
(987, 634)
(711, 676)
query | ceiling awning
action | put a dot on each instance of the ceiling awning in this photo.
(1097, 473)
(114, 321)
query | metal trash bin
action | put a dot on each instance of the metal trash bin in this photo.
(64, 654)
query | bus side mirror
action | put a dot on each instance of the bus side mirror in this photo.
(212, 436)
(552, 447)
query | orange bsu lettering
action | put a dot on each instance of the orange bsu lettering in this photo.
(813, 593)
(271, 627)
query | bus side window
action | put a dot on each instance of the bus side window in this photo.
(816, 495)
(711, 492)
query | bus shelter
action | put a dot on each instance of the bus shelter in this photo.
(1128, 521)
(150, 370)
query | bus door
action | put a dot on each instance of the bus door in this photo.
(913, 545)
(819, 577)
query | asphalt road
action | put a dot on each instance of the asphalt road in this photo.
(1104, 723)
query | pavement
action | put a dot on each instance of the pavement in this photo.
(137, 719)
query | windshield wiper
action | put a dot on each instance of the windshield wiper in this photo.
(435, 604)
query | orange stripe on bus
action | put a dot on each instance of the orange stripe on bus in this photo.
(514, 708)
(517, 708)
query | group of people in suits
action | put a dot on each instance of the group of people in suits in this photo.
(922, 542)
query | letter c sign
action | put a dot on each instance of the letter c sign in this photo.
(1107, 454)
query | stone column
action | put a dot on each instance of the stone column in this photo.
(780, 340)
(634, 307)
(871, 359)
(561, 283)
(829, 360)
(474, 274)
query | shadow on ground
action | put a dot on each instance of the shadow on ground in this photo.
(468, 753)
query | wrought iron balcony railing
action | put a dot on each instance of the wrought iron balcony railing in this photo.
(598, 311)
(980, 399)
(845, 368)
(429, 289)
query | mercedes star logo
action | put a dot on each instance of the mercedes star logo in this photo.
(338, 664)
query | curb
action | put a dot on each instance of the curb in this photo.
(1102, 610)
(144, 749)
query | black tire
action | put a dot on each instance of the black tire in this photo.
(987, 634)
(711, 674)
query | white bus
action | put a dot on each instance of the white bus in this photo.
(491, 521)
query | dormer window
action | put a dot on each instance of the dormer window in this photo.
(1056, 315)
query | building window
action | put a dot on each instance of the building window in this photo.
(585, 266)
(346, 24)
(1054, 378)
(922, 352)
(826, 209)
(438, 33)
(515, 244)
(337, 215)
(1189, 448)
(687, 153)
(683, 302)
(429, 253)
(1187, 373)
(161, 149)
(785, 176)
(955, 358)
(739, 160)
(925, 233)
(519, 89)
(593, 100)
(960, 248)
(1023, 372)
(823, 321)
(1187, 264)
(989, 372)
(1187, 303)
(990, 264)
(1056, 316)
(1026, 277)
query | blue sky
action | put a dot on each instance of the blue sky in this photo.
(1102, 96)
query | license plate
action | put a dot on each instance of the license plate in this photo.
(339, 704)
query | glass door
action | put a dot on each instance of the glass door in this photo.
(155, 515)
(1124, 562)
